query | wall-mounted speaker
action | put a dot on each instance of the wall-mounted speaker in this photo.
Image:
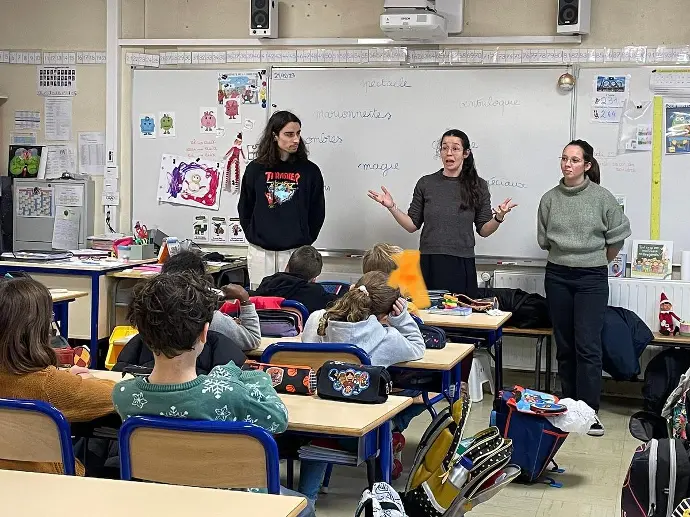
(573, 16)
(263, 18)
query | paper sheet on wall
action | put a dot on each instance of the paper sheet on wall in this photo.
(24, 119)
(56, 80)
(28, 138)
(111, 192)
(66, 228)
(34, 202)
(69, 195)
(92, 153)
(609, 95)
(58, 118)
(59, 159)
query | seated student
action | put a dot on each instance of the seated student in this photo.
(246, 333)
(373, 316)
(28, 365)
(298, 282)
(172, 313)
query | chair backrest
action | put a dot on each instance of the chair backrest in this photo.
(33, 430)
(334, 287)
(297, 305)
(199, 453)
(313, 354)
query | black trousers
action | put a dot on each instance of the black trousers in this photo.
(457, 275)
(577, 299)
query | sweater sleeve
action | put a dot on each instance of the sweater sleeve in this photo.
(310, 333)
(483, 213)
(79, 399)
(617, 223)
(542, 218)
(404, 341)
(416, 210)
(245, 206)
(247, 335)
(317, 208)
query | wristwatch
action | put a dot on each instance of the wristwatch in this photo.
(499, 221)
(245, 303)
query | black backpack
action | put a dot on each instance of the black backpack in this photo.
(530, 310)
(662, 376)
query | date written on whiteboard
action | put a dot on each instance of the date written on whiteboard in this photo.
(281, 75)
(384, 168)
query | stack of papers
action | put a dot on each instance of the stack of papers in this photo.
(311, 452)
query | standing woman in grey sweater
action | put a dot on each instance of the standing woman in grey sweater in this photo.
(583, 228)
(445, 205)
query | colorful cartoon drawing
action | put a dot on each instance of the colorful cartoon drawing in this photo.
(280, 192)
(232, 109)
(166, 123)
(262, 94)
(24, 162)
(147, 125)
(276, 375)
(208, 121)
(349, 382)
(234, 165)
(195, 183)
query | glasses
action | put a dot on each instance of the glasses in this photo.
(455, 149)
(573, 161)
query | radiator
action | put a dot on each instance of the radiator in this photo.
(532, 282)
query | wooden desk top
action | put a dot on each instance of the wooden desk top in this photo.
(671, 340)
(111, 498)
(210, 268)
(315, 415)
(475, 321)
(72, 264)
(443, 359)
(61, 295)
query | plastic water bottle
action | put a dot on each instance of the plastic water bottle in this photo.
(460, 472)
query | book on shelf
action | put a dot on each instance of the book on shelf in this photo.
(651, 259)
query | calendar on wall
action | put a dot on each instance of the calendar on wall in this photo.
(56, 81)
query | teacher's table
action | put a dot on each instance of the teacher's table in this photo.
(50, 494)
(87, 321)
(224, 273)
(312, 416)
(61, 300)
(446, 362)
(478, 327)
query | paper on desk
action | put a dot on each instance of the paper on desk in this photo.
(66, 228)
(69, 195)
(92, 153)
(59, 159)
(58, 118)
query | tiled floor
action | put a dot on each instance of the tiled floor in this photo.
(595, 469)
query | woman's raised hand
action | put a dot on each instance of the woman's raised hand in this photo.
(385, 198)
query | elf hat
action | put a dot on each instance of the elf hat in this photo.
(664, 299)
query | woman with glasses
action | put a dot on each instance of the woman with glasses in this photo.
(583, 228)
(445, 205)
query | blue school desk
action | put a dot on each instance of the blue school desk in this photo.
(90, 269)
(61, 300)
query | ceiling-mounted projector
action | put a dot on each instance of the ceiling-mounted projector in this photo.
(413, 20)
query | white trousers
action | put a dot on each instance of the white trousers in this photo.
(262, 263)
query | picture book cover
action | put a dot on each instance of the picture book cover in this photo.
(651, 259)
(617, 265)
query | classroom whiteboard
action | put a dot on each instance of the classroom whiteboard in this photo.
(626, 174)
(186, 93)
(368, 127)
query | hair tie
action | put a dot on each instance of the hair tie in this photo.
(363, 288)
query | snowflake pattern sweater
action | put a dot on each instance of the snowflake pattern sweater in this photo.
(225, 394)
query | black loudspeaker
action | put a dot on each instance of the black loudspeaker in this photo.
(260, 14)
(574, 16)
(568, 12)
(6, 214)
(263, 18)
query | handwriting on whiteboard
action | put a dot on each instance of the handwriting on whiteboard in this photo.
(385, 83)
(385, 168)
(281, 75)
(323, 138)
(200, 148)
(617, 165)
(354, 114)
(490, 102)
(504, 182)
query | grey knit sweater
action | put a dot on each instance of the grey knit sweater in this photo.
(577, 224)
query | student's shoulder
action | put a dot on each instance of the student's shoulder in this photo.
(124, 388)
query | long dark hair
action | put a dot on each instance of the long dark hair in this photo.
(594, 173)
(470, 192)
(268, 152)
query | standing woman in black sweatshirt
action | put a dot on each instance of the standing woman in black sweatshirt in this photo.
(446, 205)
(282, 204)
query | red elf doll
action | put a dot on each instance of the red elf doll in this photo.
(666, 317)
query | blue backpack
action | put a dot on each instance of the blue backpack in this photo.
(535, 440)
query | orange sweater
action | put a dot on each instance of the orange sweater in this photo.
(79, 399)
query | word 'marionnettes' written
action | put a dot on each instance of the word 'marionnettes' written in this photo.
(354, 114)
(382, 167)
(201, 148)
(385, 83)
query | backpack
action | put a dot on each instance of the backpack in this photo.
(657, 480)
(661, 377)
(285, 322)
(434, 337)
(381, 501)
(529, 310)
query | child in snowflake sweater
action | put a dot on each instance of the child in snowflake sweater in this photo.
(172, 313)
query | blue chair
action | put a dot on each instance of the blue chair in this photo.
(293, 304)
(198, 453)
(313, 355)
(334, 287)
(33, 430)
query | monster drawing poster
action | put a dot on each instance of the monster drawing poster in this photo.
(235, 232)
(24, 161)
(185, 181)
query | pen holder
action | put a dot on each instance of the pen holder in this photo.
(141, 252)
